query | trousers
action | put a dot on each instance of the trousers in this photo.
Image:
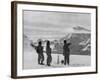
(40, 58)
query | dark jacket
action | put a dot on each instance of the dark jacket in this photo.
(39, 49)
(66, 49)
(48, 51)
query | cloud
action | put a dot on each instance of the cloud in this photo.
(52, 25)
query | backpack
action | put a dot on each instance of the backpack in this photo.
(39, 49)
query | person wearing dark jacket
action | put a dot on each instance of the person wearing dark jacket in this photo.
(66, 52)
(48, 52)
(40, 53)
(39, 50)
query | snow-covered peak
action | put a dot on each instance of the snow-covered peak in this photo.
(79, 29)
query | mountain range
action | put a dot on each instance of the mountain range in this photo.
(80, 42)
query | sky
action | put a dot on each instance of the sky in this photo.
(53, 25)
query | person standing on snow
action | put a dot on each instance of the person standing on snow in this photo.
(48, 52)
(66, 52)
(39, 50)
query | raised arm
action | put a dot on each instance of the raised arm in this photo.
(35, 47)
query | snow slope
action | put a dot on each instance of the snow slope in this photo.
(30, 60)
